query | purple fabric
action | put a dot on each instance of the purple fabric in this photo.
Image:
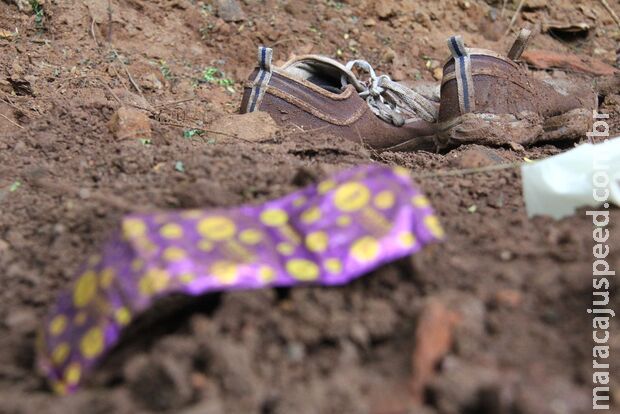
(326, 234)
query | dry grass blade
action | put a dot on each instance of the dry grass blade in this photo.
(611, 12)
(11, 121)
(514, 17)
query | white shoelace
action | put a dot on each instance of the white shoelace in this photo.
(390, 100)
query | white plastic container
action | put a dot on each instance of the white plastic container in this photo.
(558, 185)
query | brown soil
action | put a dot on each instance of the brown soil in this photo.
(519, 288)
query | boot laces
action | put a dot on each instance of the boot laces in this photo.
(389, 100)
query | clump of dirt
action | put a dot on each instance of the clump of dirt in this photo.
(514, 290)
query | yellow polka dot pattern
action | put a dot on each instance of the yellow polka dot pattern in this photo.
(326, 186)
(171, 231)
(302, 269)
(335, 231)
(365, 249)
(85, 289)
(351, 197)
(217, 228)
(286, 249)
(432, 222)
(274, 217)
(406, 239)
(333, 265)
(317, 241)
(107, 277)
(91, 344)
(174, 254)
(420, 201)
(251, 236)
(73, 374)
(133, 228)
(385, 200)
(60, 354)
(58, 325)
(266, 274)
(311, 215)
(154, 281)
(225, 272)
(122, 316)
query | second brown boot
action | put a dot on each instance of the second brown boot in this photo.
(490, 99)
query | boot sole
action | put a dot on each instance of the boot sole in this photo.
(506, 129)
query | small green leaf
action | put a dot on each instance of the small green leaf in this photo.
(146, 141)
(208, 75)
(472, 209)
(15, 186)
(190, 133)
(178, 166)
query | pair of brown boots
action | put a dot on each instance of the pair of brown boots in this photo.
(484, 98)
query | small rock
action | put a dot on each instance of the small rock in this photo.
(399, 75)
(544, 59)
(386, 9)
(423, 19)
(23, 321)
(296, 351)
(433, 340)
(389, 56)
(516, 147)
(158, 383)
(438, 73)
(476, 157)
(255, 126)
(23, 5)
(370, 22)
(130, 123)
(472, 387)
(534, 4)
(230, 11)
(508, 297)
(152, 82)
(359, 334)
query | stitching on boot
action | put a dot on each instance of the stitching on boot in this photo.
(307, 108)
(489, 72)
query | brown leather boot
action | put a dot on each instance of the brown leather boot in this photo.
(317, 93)
(490, 99)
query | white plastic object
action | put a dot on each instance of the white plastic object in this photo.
(556, 186)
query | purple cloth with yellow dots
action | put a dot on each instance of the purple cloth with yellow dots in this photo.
(326, 234)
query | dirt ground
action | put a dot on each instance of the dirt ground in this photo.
(505, 296)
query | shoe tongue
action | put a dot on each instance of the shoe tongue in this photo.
(322, 71)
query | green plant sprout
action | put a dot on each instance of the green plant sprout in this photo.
(39, 14)
(214, 75)
(165, 69)
(191, 133)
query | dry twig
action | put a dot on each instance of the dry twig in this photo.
(514, 17)
(11, 121)
(611, 12)
(131, 80)
(92, 31)
(467, 171)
